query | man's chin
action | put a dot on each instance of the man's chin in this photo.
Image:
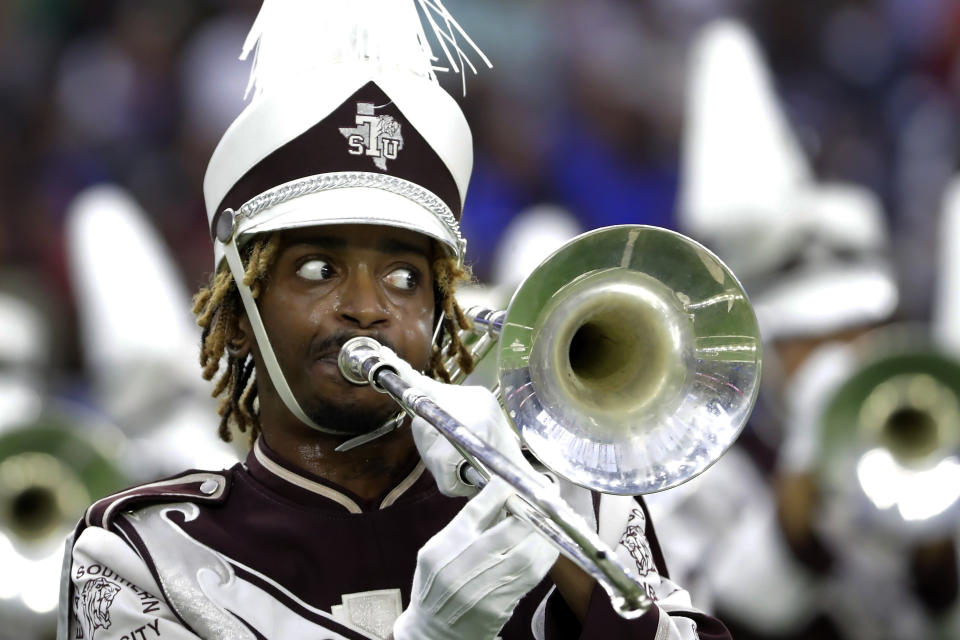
(352, 420)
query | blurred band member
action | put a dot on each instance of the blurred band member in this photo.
(815, 259)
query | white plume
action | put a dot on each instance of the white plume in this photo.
(295, 41)
(946, 302)
(742, 162)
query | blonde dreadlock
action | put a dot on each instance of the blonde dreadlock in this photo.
(447, 274)
(218, 309)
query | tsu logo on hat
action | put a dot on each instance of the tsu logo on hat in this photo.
(378, 137)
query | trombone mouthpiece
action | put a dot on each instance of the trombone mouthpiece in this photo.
(354, 354)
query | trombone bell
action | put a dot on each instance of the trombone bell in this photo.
(913, 415)
(629, 360)
(616, 347)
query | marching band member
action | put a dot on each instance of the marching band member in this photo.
(815, 258)
(334, 201)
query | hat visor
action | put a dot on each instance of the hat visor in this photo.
(348, 205)
(827, 300)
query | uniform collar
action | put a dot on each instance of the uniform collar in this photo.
(266, 466)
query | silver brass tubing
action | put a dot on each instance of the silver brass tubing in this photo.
(351, 361)
(537, 502)
(478, 350)
(491, 320)
(593, 557)
(488, 323)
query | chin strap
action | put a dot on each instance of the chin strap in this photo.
(260, 333)
(389, 426)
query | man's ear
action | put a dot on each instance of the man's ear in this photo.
(238, 344)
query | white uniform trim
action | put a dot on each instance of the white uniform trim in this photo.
(117, 498)
(64, 606)
(194, 566)
(262, 611)
(675, 627)
(327, 492)
(128, 598)
(405, 484)
(304, 483)
(198, 583)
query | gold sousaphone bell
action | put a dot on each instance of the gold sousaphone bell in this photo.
(628, 361)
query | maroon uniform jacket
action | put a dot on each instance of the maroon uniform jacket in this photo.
(263, 551)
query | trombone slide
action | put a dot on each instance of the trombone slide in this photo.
(535, 502)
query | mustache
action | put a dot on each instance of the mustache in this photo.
(334, 342)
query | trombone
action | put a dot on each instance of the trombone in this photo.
(628, 362)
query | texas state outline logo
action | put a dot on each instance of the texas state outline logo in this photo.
(377, 137)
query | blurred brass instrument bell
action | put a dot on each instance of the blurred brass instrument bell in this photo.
(893, 427)
(50, 470)
(628, 362)
(55, 458)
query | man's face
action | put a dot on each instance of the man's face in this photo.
(329, 284)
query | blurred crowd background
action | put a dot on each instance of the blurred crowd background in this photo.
(584, 121)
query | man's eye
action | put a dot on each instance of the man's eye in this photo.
(315, 270)
(402, 278)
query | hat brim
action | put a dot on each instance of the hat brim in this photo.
(827, 300)
(349, 205)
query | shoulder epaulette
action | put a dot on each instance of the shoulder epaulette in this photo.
(192, 486)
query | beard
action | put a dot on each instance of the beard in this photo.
(355, 413)
(352, 418)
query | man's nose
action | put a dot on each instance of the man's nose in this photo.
(361, 301)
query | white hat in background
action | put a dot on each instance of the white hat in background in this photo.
(741, 163)
(25, 347)
(812, 256)
(25, 339)
(530, 238)
(946, 303)
(139, 339)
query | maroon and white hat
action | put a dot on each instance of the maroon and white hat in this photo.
(347, 124)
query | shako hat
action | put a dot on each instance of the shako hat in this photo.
(347, 124)
(813, 256)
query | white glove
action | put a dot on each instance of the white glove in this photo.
(477, 408)
(471, 575)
